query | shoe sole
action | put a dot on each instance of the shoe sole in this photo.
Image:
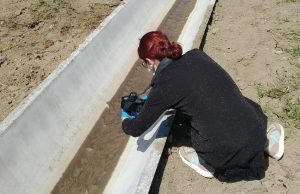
(196, 168)
(279, 154)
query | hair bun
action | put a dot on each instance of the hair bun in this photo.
(174, 51)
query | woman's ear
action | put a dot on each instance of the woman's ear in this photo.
(149, 61)
(150, 64)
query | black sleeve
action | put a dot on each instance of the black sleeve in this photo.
(151, 111)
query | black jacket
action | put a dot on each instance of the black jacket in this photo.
(227, 130)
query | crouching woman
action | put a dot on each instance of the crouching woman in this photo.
(229, 133)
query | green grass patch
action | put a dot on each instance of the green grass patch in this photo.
(285, 84)
(294, 38)
(291, 113)
(260, 91)
(295, 52)
(277, 92)
(293, 35)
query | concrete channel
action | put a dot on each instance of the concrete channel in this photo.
(65, 137)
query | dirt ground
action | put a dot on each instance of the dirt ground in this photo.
(36, 35)
(258, 43)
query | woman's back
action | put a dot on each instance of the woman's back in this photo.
(227, 128)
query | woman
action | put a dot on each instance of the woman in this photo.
(228, 130)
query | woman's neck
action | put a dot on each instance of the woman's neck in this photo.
(156, 63)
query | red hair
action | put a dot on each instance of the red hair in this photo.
(156, 45)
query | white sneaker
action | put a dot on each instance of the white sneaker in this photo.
(190, 157)
(275, 144)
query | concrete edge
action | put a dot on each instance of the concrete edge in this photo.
(135, 169)
(203, 26)
(139, 159)
(192, 30)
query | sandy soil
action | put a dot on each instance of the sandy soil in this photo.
(257, 42)
(36, 35)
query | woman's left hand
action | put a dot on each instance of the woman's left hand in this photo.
(125, 115)
(144, 97)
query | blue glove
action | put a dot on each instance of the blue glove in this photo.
(144, 97)
(125, 115)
